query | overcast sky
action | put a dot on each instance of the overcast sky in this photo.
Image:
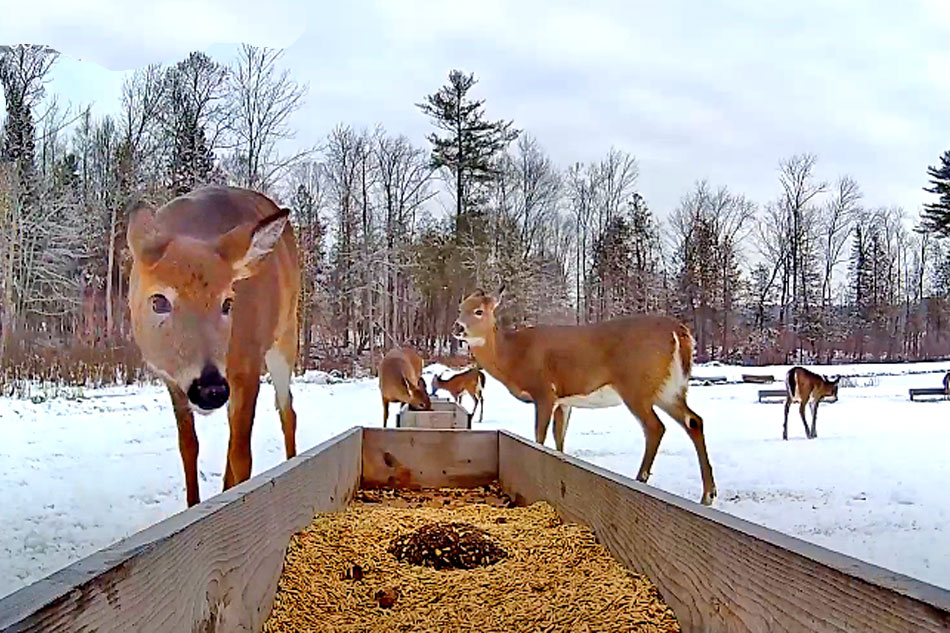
(720, 90)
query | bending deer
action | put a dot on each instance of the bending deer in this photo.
(639, 361)
(470, 381)
(213, 297)
(400, 380)
(805, 386)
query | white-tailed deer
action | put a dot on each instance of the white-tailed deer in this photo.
(806, 386)
(638, 361)
(213, 297)
(470, 381)
(400, 380)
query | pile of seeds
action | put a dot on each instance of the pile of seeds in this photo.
(339, 574)
(447, 545)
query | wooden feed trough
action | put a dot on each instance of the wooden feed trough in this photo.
(445, 414)
(215, 567)
(928, 391)
(772, 394)
(761, 379)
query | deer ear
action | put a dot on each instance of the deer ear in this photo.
(496, 300)
(245, 246)
(144, 237)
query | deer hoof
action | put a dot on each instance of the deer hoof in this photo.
(708, 498)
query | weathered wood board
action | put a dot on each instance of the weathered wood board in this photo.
(445, 414)
(429, 458)
(720, 573)
(212, 568)
(928, 391)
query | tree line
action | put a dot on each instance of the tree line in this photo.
(393, 234)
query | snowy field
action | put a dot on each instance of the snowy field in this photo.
(78, 475)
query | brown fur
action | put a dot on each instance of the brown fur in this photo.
(471, 381)
(633, 355)
(213, 244)
(400, 380)
(805, 386)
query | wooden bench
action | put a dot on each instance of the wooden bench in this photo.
(928, 391)
(780, 393)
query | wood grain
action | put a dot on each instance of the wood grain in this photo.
(444, 415)
(718, 572)
(423, 458)
(210, 569)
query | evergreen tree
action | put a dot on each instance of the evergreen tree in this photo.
(936, 215)
(469, 142)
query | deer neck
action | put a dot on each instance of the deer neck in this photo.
(491, 354)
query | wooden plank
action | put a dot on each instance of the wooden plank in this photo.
(424, 458)
(720, 573)
(445, 414)
(213, 567)
(761, 379)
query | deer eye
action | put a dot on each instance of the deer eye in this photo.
(479, 312)
(160, 304)
(226, 306)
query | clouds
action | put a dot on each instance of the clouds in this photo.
(695, 90)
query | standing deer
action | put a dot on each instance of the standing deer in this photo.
(470, 381)
(213, 297)
(400, 380)
(805, 386)
(638, 361)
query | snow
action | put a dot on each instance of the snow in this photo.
(78, 475)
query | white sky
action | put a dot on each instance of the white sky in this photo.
(695, 90)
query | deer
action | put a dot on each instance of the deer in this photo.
(400, 380)
(213, 298)
(470, 381)
(946, 382)
(806, 386)
(640, 361)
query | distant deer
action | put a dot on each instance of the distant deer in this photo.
(213, 297)
(638, 361)
(805, 386)
(470, 381)
(400, 380)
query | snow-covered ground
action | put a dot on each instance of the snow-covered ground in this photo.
(77, 475)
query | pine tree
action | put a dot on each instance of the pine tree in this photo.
(936, 215)
(470, 142)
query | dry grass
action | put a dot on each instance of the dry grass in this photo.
(556, 576)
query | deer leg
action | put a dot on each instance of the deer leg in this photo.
(788, 404)
(814, 419)
(653, 431)
(187, 442)
(801, 411)
(385, 412)
(693, 424)
(280, 370)
(562, 415)
(543, 408)
(480, 402)
(245, 386)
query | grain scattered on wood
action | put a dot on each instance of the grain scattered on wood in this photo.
(556, 577)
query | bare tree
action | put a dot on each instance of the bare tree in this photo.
(263, 99)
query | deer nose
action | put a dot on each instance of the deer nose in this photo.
(458, 329)
(210, 391)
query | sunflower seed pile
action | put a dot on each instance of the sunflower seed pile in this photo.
(453, 545)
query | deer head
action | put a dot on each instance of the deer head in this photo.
(181, 294)
(476, 320)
